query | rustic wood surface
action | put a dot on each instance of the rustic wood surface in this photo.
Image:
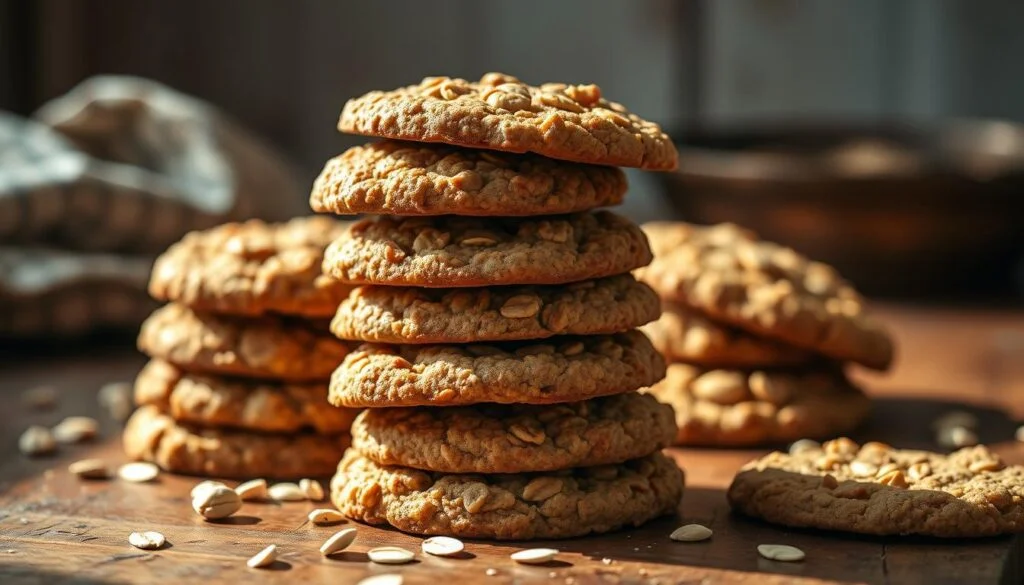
(57, 529)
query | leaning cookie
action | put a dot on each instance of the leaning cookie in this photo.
(499, 112)
(410, 178)
(155, 437)
(508, 506)
(875, 489)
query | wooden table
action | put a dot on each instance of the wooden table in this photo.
(54, 528)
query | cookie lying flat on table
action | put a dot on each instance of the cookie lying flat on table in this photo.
(418, 315)
(756, 407)
(557, 504)
(153, 436)
(499, 112)
(260, 406)
(730, 275)
(489, 438)
(414, 178)
(528, 372)
(265, 347)
(252, 268)
(456, 251)
(874, 489)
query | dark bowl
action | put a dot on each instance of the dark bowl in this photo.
(901, 210)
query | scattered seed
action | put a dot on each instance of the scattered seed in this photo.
(37, 440)
(90, 469)
(264, 558)
(1020, 434)
(491, 572)
(390, 555)
(442, 546)
(323, 516)
(76, 429)
(312, 489)
(138, 472)
(780, 552)
(955, 418)
(146, 540)
(956, 437)
(607, 561)
(338, 542)
(216, 502)
(40, 397)
(253, 490)
(691, 533)
(385, 579)
(204, 485)
(286, 492)
(535, 556)
(116, 399)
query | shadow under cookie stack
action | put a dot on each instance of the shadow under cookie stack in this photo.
(237, 384)
(757, 337)
(500, 356)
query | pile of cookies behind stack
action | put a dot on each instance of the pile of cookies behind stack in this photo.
(758, 336)
(237, 387)
(498, 312)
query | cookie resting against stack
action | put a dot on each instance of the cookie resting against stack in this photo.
(241, 357)
(500, 358)
(756, 336)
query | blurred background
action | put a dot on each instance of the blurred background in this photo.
(880, 136)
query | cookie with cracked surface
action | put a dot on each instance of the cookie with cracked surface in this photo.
(570, 369)
(420, 315)
(516, 438)
(499, 112)
(274, 347)
(875, 489)
(557, 504)
(737, 408)
(153, 436)
(682, 334)
(254, 405)
(252, 268)
(732, 276)
(454, 251)
(409, 178)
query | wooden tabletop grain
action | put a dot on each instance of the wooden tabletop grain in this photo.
(57, 529)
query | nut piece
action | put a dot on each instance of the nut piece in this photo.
(216, 502)
(541, 488)
(338, 542)
(804, 445)
(535, 556)
(75, 429)
(325, 516)
(312, 489)
(894, 478)
(138, 472)
(205, 485)
(146, 540)
(286, 492)
(521, 307)
(37, 440)
(863, 468)
(919, 471)
(264, 558)
(527, 435)
(116, 399)
(390, 555)
(780, 552)
(90, 469)
(40, 397)
(829, 481)
(252, 490)
(442, 546)
(691, 533)
(721, 387)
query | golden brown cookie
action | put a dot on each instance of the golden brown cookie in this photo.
(155, 437)
(260, 406)
(456, 251)
(556, 504)
(414, 178)
(252, 268)
(266, 347)
(682, 334)
(516, 438)
(419, 315)
(734, 277)
(875, 489)
(499, 112)
(733, 408)
(570, 369)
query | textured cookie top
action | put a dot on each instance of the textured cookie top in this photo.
(682, 334)
(875, 489)
(723, 407)
(207, 401)
(420, 315)
(499, 112)
(556, 504)
(413, 178)
(734, 277)
(252, 268)
(266, 347)
(453, 251)
(490, 438)
(528, 372)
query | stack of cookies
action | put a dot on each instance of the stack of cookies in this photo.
(237, 385)
(757, 336)
(498, 314)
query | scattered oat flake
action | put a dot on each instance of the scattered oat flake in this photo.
(1020, 433)
(40, 397)
(138, 472)
(264, 558)
(691, 533)
(385, 579)
(390, 555)
(90, 469)
(780, 552)
(323, 516)
(147, 540)
(442, 546)
(37, 440)
(491, 572)
(252, 490)
(535, 556)
(286, 492)
(607, 561)
(338, 542)
(75, 429)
